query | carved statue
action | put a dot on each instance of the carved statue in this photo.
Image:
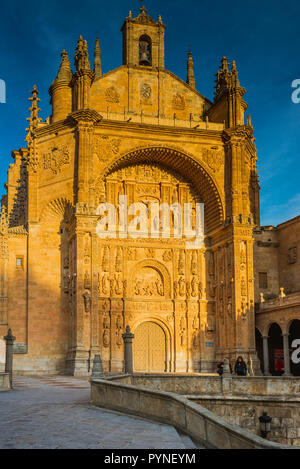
(106, 338)
(194, 286)
(159, 288)
(175, 289)
(105, 284)
(181, 285)
(118, 285)
(105, 322)
(87, 301)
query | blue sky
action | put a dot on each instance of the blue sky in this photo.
(262, 36)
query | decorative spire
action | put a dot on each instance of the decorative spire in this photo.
(65, 71)
(190, 71)
(34, 118)
(226, 79)
(235, 82)
(223, 79)
(97, 62)
(82, 62)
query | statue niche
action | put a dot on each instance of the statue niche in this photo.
(149, 282)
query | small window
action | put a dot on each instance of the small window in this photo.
(19, 262)
(263, 280)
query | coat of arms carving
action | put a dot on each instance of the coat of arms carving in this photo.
(111, 95)
(178, 102)
(56, 158)
(105, 148)
(213, 157)
(146, 92)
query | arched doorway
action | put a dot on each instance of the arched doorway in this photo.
(294, 332)
(276, 356)
(149, 348)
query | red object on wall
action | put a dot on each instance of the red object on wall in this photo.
(278, 359)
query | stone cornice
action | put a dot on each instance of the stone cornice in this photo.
(160, 129)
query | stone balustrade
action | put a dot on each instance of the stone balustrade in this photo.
(191, 418)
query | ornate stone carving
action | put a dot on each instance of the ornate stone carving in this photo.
(87, 301)
(194, 266)
(106, 148)
(194, 287)
(181, 263)
(131, 254)
(167, 255)
(119, 260)
(181, 286)
(149, 253)
(148, 283)
(182, 333)
(56, 158)
(146, 92)
(105, 284)
(178, 102)
(213, 157)
(111, 95)
(105, 259)
(106, 338)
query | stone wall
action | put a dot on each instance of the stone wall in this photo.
(285, 425)
(239, 400)
(199, 423)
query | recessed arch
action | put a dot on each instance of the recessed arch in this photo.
(156, 265)
(185, 165)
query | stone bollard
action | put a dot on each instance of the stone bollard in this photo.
(226, 378)
(127, 337)
(9, 338)
(97, 371)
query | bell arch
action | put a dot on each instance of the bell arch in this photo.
(186, 166)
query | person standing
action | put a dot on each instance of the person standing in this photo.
(240, 367)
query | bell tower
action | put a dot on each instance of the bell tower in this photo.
(143, 41)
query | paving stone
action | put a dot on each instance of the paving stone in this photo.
(41, 413)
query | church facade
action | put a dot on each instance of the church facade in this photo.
(142, 132)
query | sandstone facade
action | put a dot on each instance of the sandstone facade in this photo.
(141, 131)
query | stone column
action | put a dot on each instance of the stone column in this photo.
(127, 337)
(266, 356)
(9, 338)
(286, 352)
